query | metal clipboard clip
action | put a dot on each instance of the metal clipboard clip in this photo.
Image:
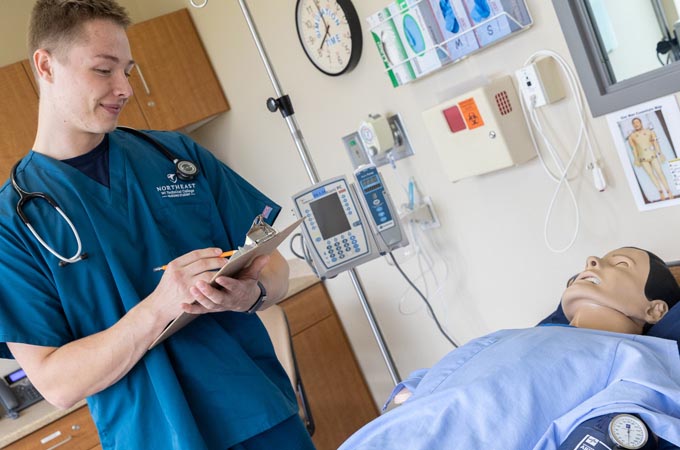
(259, 231)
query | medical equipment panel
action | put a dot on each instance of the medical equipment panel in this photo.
(480, 131)
(379, 208)
(346, 226)
(335, 228)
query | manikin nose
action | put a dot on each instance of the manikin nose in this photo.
(592, 261)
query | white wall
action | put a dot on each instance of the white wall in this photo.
(502, 274)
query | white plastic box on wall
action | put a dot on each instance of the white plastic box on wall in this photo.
(481, 131)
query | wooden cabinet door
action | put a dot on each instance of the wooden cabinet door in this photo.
(18, 115)
(132, 115)
(174, 83)
(75, 431)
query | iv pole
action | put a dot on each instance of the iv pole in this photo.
(283, 104)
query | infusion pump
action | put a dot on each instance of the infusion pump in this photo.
(347, 226)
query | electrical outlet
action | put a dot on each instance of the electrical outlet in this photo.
(530, 86)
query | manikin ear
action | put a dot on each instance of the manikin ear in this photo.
(43, 63)
(655, 311)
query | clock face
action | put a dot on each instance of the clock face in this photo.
(330, 34)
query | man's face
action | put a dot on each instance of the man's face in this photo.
(90, 84)
(610, 293)
(637, 124)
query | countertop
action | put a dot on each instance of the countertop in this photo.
(42, 413)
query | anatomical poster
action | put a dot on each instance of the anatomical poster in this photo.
(647, 138)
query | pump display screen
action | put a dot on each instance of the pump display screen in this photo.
(330, 216)
(370, 184)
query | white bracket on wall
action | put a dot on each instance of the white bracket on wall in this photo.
(359, 155)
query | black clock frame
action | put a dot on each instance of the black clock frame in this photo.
(355, 31)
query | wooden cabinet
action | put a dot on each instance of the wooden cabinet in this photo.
(76, 431)
(18, 114)
(174, 83)
(339, 399)
(175, 87)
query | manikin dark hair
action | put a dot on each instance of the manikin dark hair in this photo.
(661, 284)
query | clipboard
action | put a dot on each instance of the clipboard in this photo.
(242, 259)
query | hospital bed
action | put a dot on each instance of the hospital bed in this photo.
(529, 389)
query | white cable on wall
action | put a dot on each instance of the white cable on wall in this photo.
(562, 177)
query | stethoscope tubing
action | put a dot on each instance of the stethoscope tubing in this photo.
(186, 170)
(25, 197)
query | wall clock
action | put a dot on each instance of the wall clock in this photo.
(330, 34)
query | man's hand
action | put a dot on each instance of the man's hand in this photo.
(234, 294)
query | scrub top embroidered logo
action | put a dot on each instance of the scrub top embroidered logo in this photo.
(176, 190)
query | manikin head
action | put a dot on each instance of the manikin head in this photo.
(81, 59)
(637, 124)
(623, 291)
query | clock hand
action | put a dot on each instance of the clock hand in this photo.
(323, 40)
(320, 14)
(323, 19)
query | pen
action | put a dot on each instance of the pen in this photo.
(223, 255)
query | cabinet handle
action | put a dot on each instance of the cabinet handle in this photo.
(61, 443)
(141, 75)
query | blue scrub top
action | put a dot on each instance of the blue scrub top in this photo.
(214, 383)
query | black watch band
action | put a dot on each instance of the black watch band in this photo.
(263, 296)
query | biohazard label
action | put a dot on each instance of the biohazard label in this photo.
(471, 113)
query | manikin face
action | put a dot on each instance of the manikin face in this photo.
(87, 82)
(610, 294)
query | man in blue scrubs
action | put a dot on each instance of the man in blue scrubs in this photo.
(83, 330)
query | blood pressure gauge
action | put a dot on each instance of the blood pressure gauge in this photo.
(628, 431)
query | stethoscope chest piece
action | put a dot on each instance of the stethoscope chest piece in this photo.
(186, 170)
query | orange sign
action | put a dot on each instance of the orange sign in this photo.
(471, 114)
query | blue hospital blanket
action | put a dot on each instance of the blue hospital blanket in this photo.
(528, 389)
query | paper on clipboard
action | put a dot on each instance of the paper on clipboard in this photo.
(233, 266)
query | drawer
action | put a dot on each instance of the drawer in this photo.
(75, 431)
(307, 307)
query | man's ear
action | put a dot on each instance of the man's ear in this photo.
(655, 311)
(42, 61)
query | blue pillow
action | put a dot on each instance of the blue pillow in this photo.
(669, 326)
(557, 317)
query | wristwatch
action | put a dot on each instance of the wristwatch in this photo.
(263, 296)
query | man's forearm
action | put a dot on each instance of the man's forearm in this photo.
(74, 371)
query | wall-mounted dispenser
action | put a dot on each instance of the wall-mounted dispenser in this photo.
(480, 131)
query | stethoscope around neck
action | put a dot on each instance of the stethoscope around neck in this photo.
(184, 169)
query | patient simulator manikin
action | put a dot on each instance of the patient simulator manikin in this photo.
(625, 291)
